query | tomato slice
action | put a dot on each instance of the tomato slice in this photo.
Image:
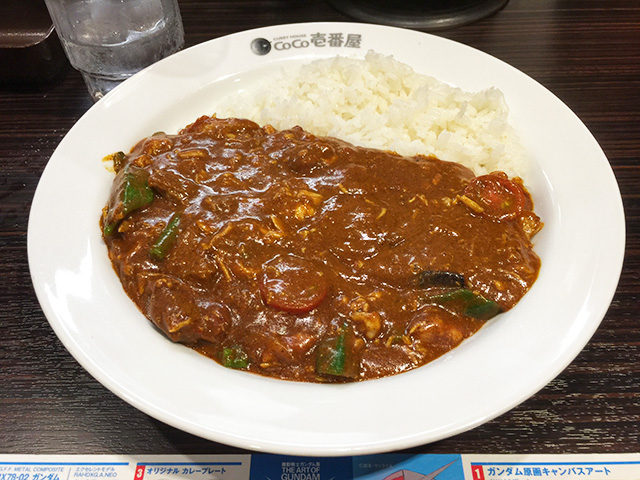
(293, 284)
(497, 196)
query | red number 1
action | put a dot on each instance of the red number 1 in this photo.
(477, 472)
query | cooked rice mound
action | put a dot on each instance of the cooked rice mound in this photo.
(382, 103)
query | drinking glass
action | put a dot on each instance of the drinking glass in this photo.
(110, 40)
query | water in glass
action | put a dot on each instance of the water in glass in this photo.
(110, 40)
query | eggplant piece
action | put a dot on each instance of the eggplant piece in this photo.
(440, 278)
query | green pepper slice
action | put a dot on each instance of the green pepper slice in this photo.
(132, 192)
(167, 238)
(136, 192)
(234, 357)
(118, 159)
(335, 357)
(470, 303)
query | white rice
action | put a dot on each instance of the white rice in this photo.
(382, 103)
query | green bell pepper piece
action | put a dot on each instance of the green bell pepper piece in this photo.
(133, 192)
(470, 303)
(167, 238)
(335, 356)
(234, 357)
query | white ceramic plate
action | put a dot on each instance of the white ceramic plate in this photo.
(516, 354)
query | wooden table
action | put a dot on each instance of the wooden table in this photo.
(587, 52)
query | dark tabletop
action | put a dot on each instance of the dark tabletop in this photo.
(587, 52)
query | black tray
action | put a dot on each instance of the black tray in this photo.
(423, 14)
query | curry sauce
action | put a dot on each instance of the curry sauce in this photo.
(310, 259)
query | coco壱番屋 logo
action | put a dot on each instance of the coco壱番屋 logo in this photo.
(262, 46)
